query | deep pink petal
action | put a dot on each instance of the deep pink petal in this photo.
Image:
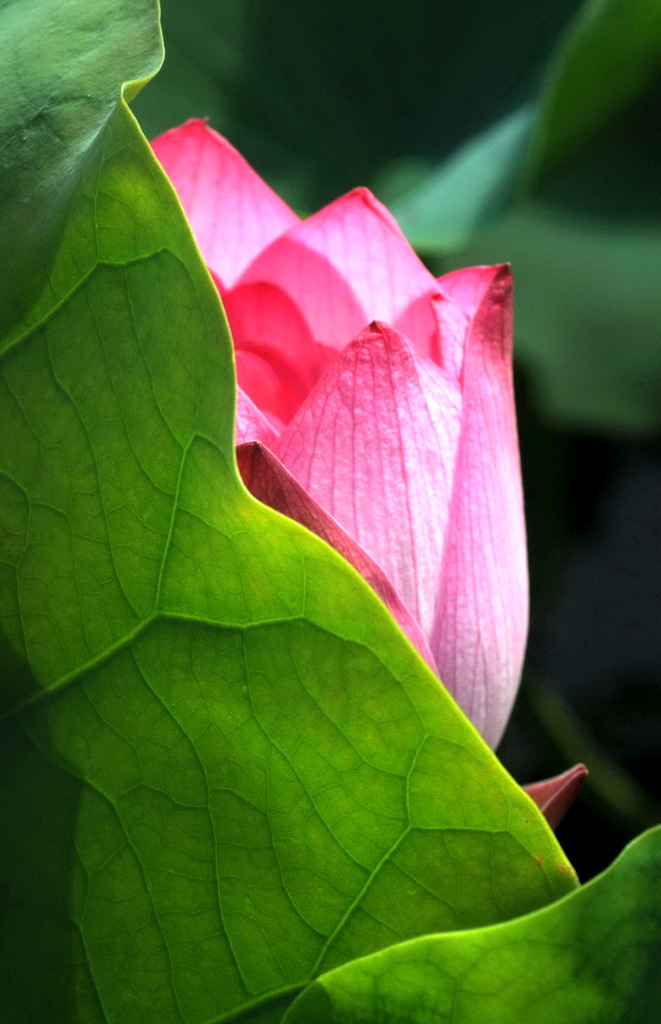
(251, 424)
(233, 213)
(467, 287)
(347, 265)
(271, 483)
(555, 796)
(461, 292)
(375, 444)
(278, 361)
(479, 632)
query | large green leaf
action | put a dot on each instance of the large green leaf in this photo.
(225, 768)
(608, 55)
(594, 956)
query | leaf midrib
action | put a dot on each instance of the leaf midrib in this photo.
(65, 681)
(271, 998)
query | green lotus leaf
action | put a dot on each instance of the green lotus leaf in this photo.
(593, 956)
(226, 770)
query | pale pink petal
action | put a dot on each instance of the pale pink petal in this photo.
(375, 444)
(271, 483)
(347, 265)
(251, 424)
(479, 632)
(555, 796)
(233, 213)
(278, 361)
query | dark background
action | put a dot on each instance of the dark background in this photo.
(414, 98)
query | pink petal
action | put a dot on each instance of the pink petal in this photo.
(555, 796)
(466, 287)
(375, 445)
(233, 213)
(251, 424)
(461, 292)
(479, 632)
(278, 361)
(414, 322)
(453, 328)
(271, 483)
(347, 265)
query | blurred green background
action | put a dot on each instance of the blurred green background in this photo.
(519, 132)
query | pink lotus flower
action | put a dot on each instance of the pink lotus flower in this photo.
(375, 406)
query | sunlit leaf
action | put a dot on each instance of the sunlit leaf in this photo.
(593, 956)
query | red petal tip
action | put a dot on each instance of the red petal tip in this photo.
(555, 796)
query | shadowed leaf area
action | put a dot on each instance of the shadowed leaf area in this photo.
(226, 769)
